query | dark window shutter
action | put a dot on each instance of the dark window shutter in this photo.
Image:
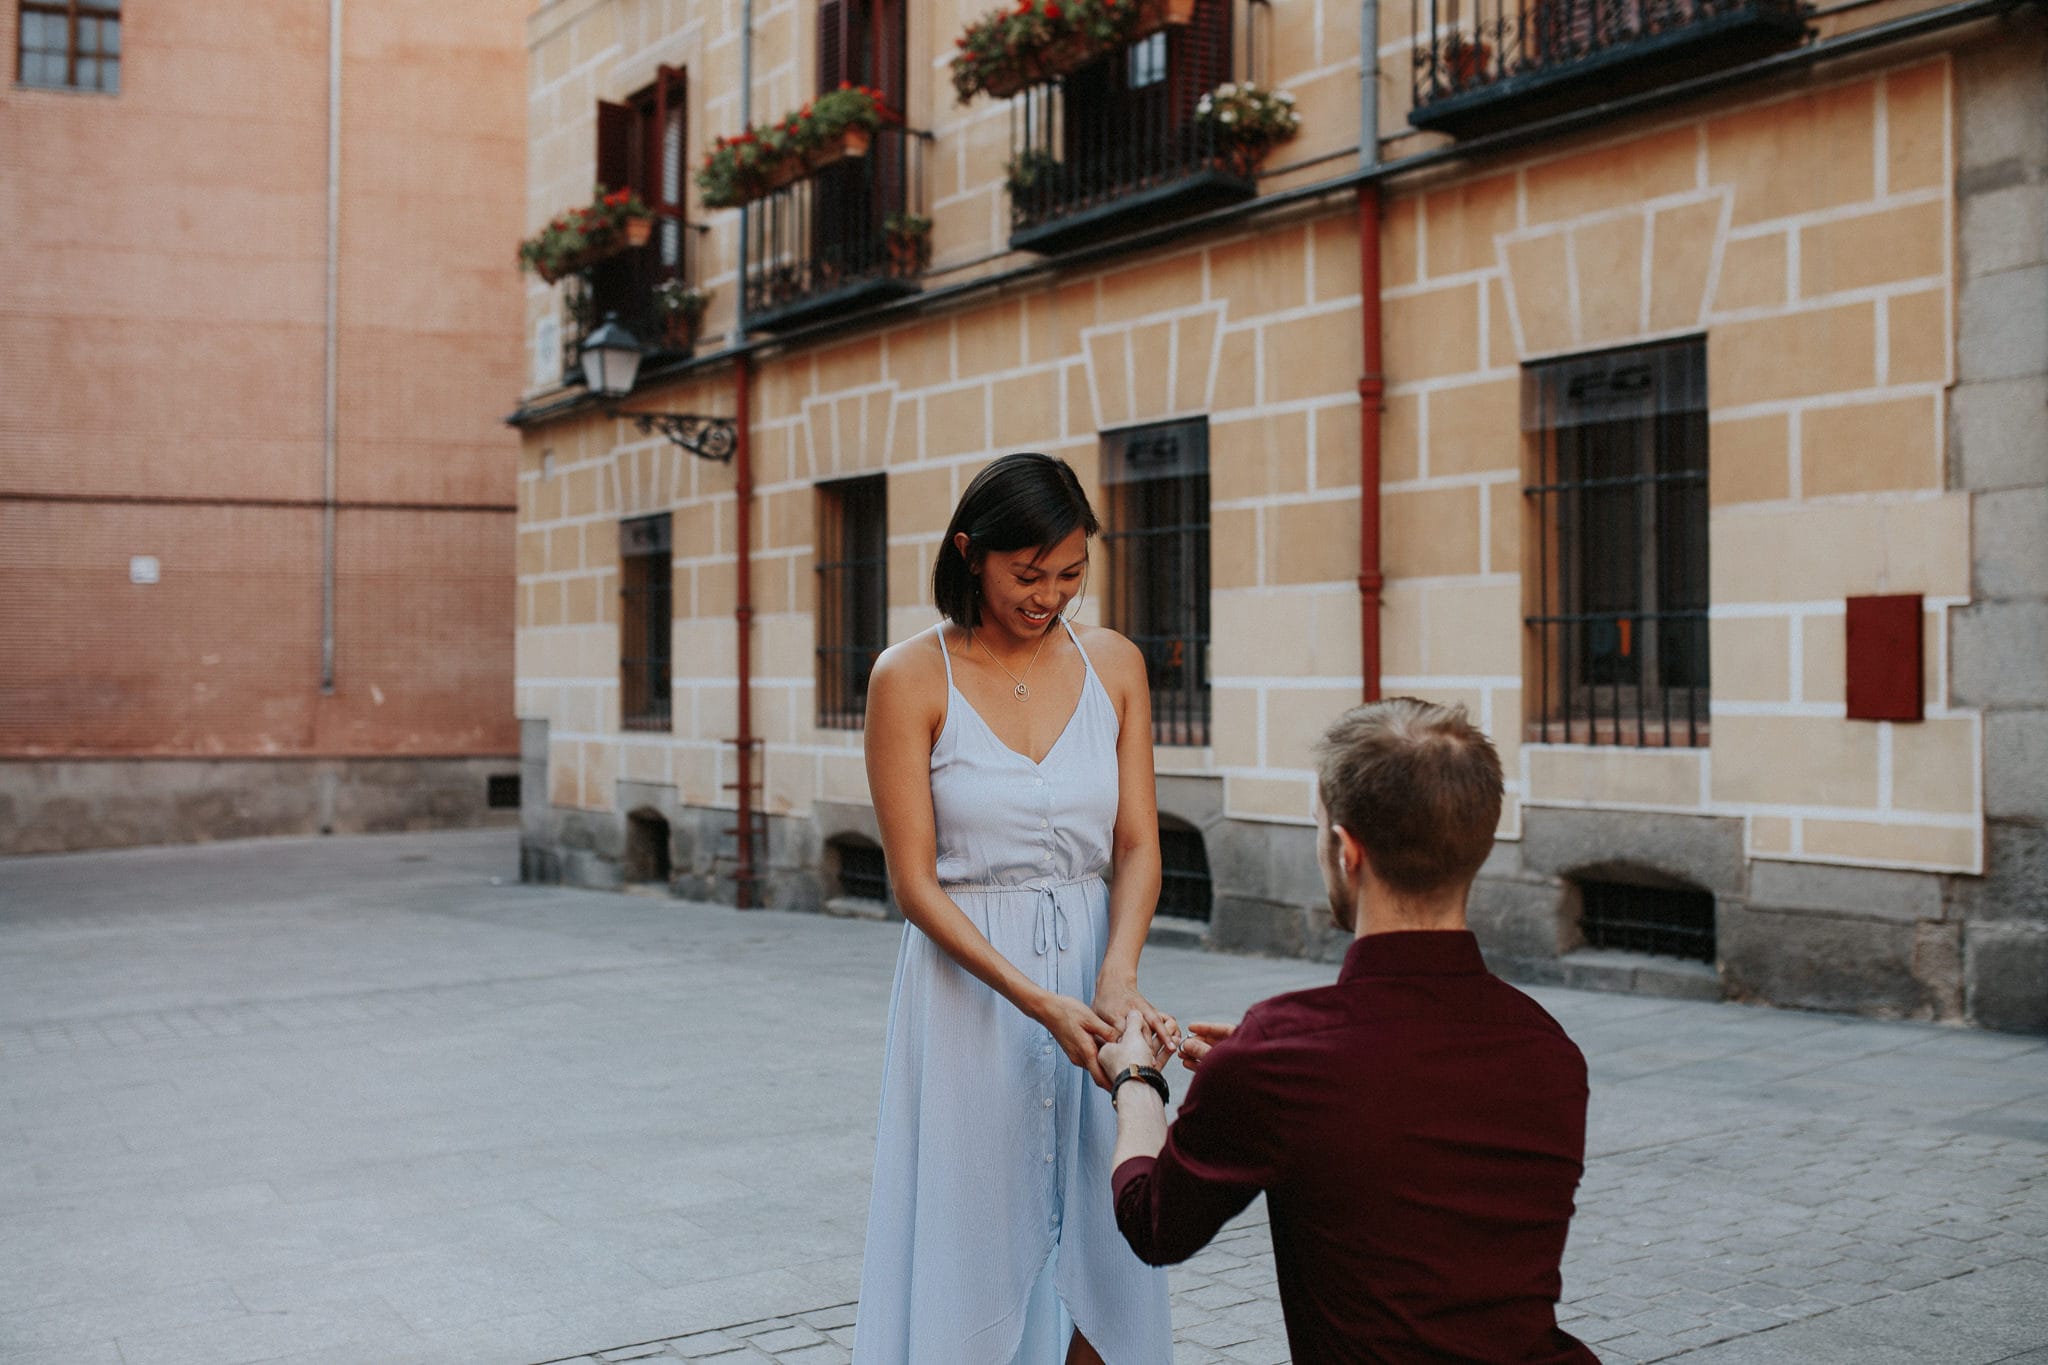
(1198, 57)
(614, 145)
(889, 45)
(834, 48)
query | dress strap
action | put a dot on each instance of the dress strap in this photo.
(946, 654)
(1086, 662)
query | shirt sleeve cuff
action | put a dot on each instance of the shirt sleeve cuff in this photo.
(1135, 1168)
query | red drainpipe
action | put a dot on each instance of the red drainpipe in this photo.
(1372, 403)
(744, 743)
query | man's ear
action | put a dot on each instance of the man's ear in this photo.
(1350, 852)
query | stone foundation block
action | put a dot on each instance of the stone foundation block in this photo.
(1698, 850)
(1821, 962)
(2005, 975)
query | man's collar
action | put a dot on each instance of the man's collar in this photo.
(1414, 952)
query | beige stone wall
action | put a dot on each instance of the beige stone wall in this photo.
(1808, 237)
(1259, 333)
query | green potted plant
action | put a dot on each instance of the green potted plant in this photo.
(1463, 61)
(764, 158)
(1028, 170)
(587, 233)
(681, 306)
(1244, 123)
(909, 240)
(1037, 40)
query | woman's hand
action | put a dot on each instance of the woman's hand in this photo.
(1117, 996)
(1078, 1030)
(1202, 1037)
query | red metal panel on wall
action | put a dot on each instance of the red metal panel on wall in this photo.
(1884, 658)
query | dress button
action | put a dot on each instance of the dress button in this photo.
(1038, 782)
(1045, 1052)
(1042, 824)
(1048, 1101)
(1048, 1158)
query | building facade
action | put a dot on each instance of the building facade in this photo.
(1663, 384)
(256, 503)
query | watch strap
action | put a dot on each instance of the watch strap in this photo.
(1150, 1075)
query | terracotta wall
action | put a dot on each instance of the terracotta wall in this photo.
(162, 337)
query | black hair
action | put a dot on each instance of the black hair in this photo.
(1020, 502)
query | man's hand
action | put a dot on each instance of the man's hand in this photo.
(1138, 1046)
(1078, 1031)
(1116, 997)
(1201, 1037)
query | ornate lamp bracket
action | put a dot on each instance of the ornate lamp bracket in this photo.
(708, 438)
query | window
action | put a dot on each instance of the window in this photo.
(640, 146)
(863, 871)
(645, 622)
(1185, 891)
(1618, 635)
(71, 44)
(1157, 544)
(853, 595)
(1668, 921)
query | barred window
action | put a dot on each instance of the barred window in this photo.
(1157, 545)
(1666, 921)
(853, 595)
(645, 621)
(70, 45)
(1185, 890)
(1618, 637)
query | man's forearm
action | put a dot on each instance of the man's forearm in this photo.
(1140, 1122)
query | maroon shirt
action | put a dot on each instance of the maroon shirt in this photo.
(1418, 1128)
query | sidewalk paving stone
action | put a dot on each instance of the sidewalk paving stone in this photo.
(368, 1102)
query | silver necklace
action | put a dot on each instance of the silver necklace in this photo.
(1023, 692)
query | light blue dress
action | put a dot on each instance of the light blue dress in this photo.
(992, 1219)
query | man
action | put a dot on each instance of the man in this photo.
(1419, 1127)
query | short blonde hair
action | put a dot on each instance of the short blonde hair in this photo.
(1418, 785)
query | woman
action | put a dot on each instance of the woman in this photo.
(1009, 753)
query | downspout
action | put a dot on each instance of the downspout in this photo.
(329, 435)
(1372, 383)
(744, 743)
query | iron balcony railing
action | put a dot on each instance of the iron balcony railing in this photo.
(624, 284)
(1117, 141)
(1484, 63)
(836, 240)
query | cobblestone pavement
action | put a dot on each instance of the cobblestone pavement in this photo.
(362, 1103)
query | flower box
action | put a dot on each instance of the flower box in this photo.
(752, 165)
(580, 237)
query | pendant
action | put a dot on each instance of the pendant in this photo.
(1023, 692)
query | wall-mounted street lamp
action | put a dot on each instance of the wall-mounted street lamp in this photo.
(611, 362)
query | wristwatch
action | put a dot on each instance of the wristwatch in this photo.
(1148, 1074)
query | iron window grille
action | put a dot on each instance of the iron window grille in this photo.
(1157, 545)
(70, 45)
(853, 595)
(1618, 637)
(863, 871)
(1122, 129)
(646, 574)
(501, 791)
(1666, 921)
(1185, 890)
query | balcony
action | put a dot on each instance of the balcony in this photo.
(1115, 145)
(624, 283)
(830, 244)
(1518, 60)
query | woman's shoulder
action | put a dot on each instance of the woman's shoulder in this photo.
(1114, 657)
(912, 667)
